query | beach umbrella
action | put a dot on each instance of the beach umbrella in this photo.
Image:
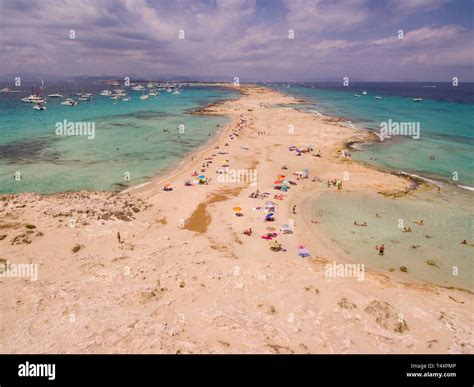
(277, 182)
(270, 204)
(269, 216)
(303, 253)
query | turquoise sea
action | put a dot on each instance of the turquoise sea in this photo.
(446, 117)
(134, 140)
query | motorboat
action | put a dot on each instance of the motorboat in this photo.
(69, 102)
(33, 99)
(85, 97)
(39, 106)
(55, 95)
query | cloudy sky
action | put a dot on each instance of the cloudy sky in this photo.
(250, 39)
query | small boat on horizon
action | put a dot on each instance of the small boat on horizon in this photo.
(417, 99)
(364, 92)
(378, 97)
(85, 97)
(33, 99)
(69, 102)
(55, 95)
(356, 95)
(39, 106)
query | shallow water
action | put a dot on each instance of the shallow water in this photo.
(129, 146)
(447, 220)
(445, 116)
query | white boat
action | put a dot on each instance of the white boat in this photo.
(69, 102)
(176, 92)
(33, 99)
(144, 96)
(5, 90)
(55, 95)
(119, 94)
(85, 97)
(356, 95)
(105, 93)
(39, 106)
(150, 85)
(417, 99)
(153, 93)
(378, 97)
(138, 88)
(364, 92)
(127, 99)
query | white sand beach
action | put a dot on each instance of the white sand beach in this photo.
(185, 279)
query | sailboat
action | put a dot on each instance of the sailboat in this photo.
(144, 96)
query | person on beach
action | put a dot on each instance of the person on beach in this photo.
(381, 249)
(420, 222)
(294, 209)
(119, 238)
(464, 242)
